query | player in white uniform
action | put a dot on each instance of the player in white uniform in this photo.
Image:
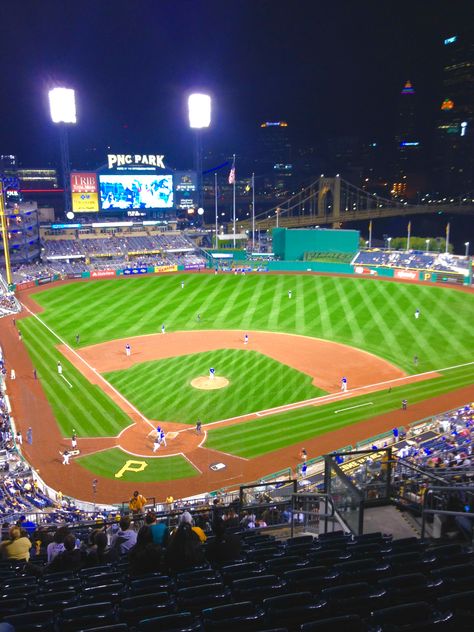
(344, 384)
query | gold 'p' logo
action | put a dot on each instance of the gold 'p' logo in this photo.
(131, 466)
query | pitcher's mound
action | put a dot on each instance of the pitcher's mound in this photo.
(206, 384)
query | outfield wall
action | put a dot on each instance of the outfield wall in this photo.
(291, 244)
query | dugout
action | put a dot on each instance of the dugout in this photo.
(292, 244)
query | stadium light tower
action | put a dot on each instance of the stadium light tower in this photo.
(199, 110)
(467, 248)
(62, 104)
(427, 242)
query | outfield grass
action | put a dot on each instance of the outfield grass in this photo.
(161, 390)
(110, 462)
(369, 314)
(376, 316)
(84, 407)
(266, 434)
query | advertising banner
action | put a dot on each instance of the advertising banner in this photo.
(166, 268)
(26, 285)
(133, 271)
(74, 275)
(85, 193)
(194, 266)
(411, 275)
(102, 274)
(362, 270)
(44, 280)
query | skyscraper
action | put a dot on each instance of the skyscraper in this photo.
(407, 160)
(454, 134)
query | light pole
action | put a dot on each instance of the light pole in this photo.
(389, 239)
(199, 110)
(62, 105)
(427, 242)
(467, 248)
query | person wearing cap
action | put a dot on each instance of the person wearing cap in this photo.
(136, 503)
(186, 517)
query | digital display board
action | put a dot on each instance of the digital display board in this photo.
(85, 197)
(135, 191)
(185, 189)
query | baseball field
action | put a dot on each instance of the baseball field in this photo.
(282, 388)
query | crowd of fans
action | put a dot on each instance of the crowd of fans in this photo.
(115, 245)
(413, 259)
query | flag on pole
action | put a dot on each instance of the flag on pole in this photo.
(232, 173)
(408, 235)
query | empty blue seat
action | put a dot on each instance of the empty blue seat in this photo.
(196, 598)
(311, 578)
(346, 623)
(55, 600)
(411, 587)
(43, 620)
(155, 583)
(241, 571)
(179, 622)
(82, 617)
(358, 598)
(233, 617)
(293, 609)
(410, 616)
(134, 609)
(258, 588)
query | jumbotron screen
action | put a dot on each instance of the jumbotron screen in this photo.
(128, 191)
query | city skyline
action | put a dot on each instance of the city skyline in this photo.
(329, 71)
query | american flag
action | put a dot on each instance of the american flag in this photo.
(232, 174)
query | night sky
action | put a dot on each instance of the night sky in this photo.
(328, 68)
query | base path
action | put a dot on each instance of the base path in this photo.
(326, 362)
(323, 360)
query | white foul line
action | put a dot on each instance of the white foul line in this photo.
(135, 410)
(66, 380)
(351, 407)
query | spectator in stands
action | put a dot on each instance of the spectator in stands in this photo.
(57, 545)
(99, 552)
(17, 547)
(146, 556)
(159, 530)
(71, 559)
(225, 547)
(136, 503)
(125, 538)
(184, 549)
(187, 517)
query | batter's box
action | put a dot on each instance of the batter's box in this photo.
(171, 435)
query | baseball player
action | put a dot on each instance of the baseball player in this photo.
(163, 328)
(198, 426)
(12, 374)
(74, 441)
(156, 443)
(66, 457)
(60, 368)
(182, 285)
(304, 468)
(211, 373)
(417, 314)
(163, 438)
(415, 360)
(128, 350)
(344, 384)
(303, 455)
(289, 293)
(246, 339)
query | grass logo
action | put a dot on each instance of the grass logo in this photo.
(131, 466)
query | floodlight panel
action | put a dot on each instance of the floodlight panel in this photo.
(62, 103)
(199, 106)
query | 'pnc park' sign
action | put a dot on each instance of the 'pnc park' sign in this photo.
(121, 160)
